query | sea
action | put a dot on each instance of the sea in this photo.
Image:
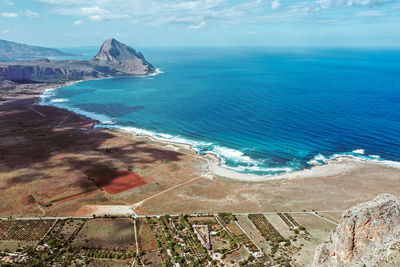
(263, 111)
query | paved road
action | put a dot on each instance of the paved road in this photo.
(313, 212)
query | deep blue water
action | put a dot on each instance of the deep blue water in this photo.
(263, 110)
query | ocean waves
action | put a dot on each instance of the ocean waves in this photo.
(359, 154)
(230, 158)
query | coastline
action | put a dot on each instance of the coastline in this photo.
(336, 165)
(50, 152)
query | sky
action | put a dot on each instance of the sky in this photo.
(147, 23)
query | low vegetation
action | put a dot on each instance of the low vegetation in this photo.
(167, 240)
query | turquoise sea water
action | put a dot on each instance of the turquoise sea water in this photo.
(262, 110)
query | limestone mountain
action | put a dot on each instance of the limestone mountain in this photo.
(117, 53)
(113, 59)
(368, 235)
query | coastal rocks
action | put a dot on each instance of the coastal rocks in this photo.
(368, 235)
(113, 59)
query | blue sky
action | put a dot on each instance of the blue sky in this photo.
(71, 23)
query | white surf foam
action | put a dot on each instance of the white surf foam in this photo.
(359, 151)
(158, 71)
(360, 155)
(196, 145)
(319, 159)
(375, 156)
(259, 169)
(58, 100)
(48, 93)
(232, 154)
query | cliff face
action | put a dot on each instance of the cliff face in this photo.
(113, 59)
(368, 233)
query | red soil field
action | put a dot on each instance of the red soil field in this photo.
(119, 181)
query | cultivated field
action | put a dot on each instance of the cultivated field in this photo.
(107, 233)
(318, 229)
(25, 230)
(146, 238)
(109, 263)
(265, 227)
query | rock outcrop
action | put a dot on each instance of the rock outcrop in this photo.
(114, 52)
(368, 235)
(113, 59)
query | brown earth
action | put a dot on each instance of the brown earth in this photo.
(49, 152)
(28, 200)
(118, 182)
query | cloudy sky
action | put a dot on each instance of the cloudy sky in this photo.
(71, 23)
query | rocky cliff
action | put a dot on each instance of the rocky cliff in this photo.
(368, 235)
(113, 59)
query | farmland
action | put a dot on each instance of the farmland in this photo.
(146, 238)
(107, 233)
(29, 230)
(219, 240)
(265, 227)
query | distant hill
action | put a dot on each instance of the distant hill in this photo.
(11, 51)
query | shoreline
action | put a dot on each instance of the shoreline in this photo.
(51, 152)
(332, 166)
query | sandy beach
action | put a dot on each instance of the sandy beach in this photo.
(334, 167)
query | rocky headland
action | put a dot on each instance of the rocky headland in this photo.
(113, 59)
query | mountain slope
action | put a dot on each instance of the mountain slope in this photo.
(368, 235)
(16, 51)
(114, 52)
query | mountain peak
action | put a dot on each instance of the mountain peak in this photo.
(115, 52)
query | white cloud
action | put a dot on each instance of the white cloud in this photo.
(94, 13)
(198, 26)
(9, 15)
(78, 22)
(349, 3)
(192, 13)
(370, 13)
(275, 4)
(65, 2)
(309, 7)
(5, 32)
(32, 14)
(9, 3)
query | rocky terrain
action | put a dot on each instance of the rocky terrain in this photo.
(113, 59)
(368, 235)
(16, 51)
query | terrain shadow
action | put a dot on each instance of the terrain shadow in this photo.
(37, 138)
